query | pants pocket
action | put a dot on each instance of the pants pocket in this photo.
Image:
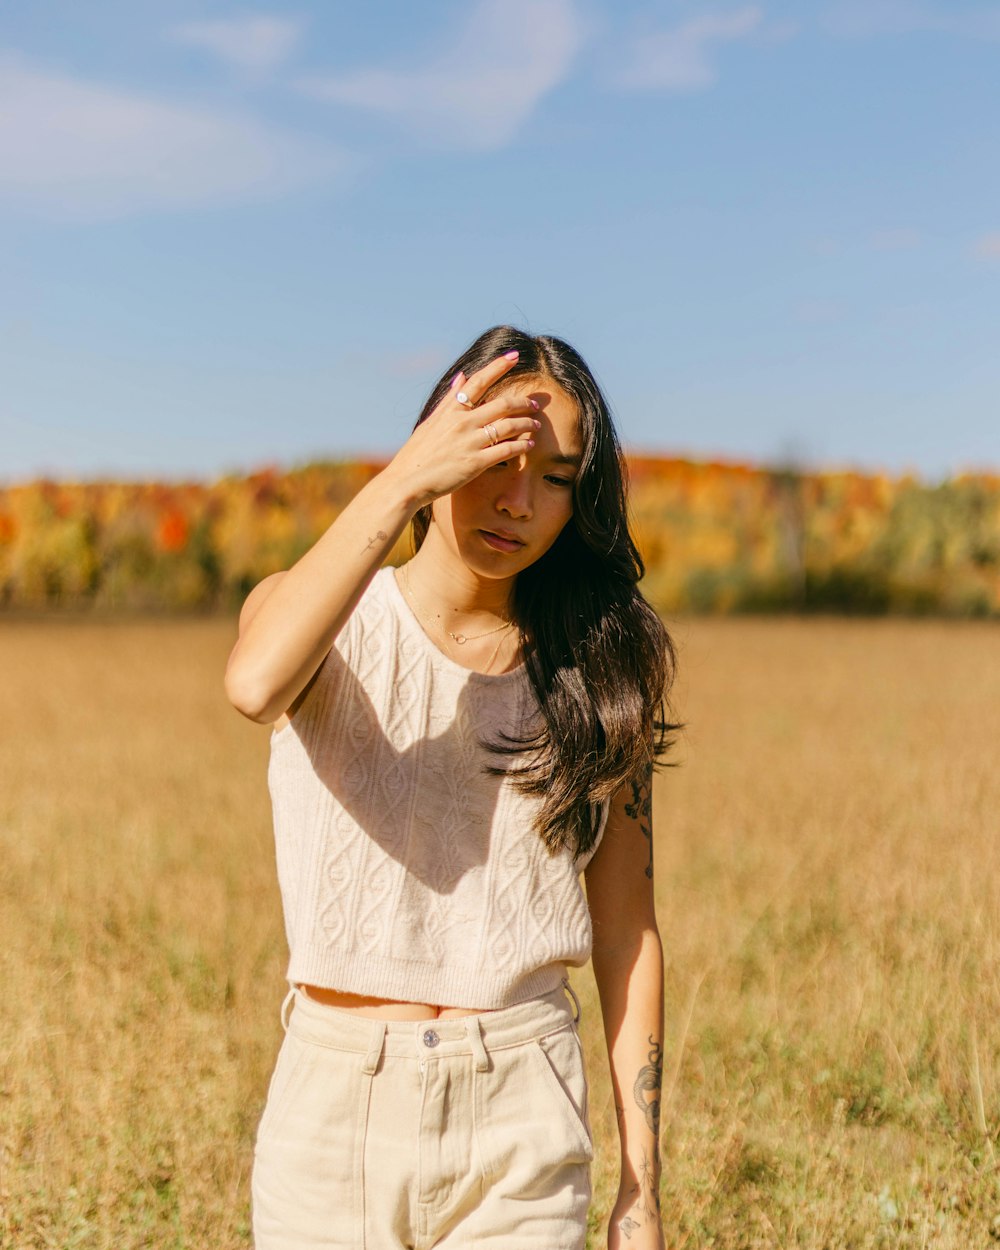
(561, 1070)
(289, 1069)
(306, 1181)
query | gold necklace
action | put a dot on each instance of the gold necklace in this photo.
(461, 639)
(496, 650)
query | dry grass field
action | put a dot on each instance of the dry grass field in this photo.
(828, 878)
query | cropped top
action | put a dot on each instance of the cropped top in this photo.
(405, 871)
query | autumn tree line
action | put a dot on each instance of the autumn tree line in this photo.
(715, 537)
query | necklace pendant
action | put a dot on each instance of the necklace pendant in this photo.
(460, 638)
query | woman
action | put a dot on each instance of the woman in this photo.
(455, 742)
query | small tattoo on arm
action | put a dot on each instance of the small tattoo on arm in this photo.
(646, 1089)
(645, 1196)
(641, 809)
(381, 536)
(649, 1180)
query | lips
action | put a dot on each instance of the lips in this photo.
(501, 542)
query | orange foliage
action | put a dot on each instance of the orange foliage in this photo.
(714, 535)
(172, 531)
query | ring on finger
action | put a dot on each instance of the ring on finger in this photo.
(464, 400)
(490, 430)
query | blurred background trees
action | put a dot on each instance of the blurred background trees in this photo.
(716, 537)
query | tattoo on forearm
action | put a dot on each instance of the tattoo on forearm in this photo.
(646, 1089)
(649, 1181)
(645, 1195)
(641, 809)
(381, 536)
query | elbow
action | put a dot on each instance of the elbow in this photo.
(246, 697)
(623, 946)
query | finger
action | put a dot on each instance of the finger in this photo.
(478, 383)
(506, 449)
(504, 405)
(507, 429)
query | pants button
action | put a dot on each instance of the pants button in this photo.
(431, 1038)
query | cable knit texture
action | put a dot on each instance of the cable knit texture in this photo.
(405, 871)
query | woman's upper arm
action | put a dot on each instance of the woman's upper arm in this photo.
(252, 603)
(619, 877)
(251, 606)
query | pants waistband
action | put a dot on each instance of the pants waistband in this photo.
(434, 1038)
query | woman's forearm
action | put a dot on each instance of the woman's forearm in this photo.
(286, 640)
(630, 982)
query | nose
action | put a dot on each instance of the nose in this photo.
(515, 495)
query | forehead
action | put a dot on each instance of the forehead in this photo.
(558, 413)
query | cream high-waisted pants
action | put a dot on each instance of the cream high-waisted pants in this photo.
(452, 1133)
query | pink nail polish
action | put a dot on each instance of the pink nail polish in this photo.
(511, 355)
(534, 404)
(454, 382)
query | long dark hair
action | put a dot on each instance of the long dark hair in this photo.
(599, 659)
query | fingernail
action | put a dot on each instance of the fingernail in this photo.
(454, 382)
(531, 442)
(538, 425)
(510, 355)
(533, 403)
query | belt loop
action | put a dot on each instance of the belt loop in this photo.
(289, 999)
(474, 1028)
(375, 1053)
(576, 1002)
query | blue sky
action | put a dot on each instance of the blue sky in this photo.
(236, 236)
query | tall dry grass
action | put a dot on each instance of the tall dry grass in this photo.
(828, 884)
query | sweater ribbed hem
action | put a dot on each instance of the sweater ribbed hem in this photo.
(400, 981)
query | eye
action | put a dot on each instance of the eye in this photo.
(559, 481)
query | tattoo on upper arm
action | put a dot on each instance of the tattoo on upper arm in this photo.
(381, 536)
(646, 1089)
(641, 809)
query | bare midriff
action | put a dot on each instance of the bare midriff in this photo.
(383, 1008)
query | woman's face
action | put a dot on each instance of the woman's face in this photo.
(529, 497)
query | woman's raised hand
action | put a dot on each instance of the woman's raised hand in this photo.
(451, 447)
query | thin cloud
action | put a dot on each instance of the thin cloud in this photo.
(897, 240)
(418, 363)
(988, 246)
(250, 42)
(77, 150)
(818, 311)
(854, 19)
(681, 59)
(825, 245)
(482, 87)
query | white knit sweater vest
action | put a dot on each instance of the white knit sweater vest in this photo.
(405, 871)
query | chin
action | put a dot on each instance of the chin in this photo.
(495, 565)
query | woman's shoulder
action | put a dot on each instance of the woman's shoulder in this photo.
(347, 644)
